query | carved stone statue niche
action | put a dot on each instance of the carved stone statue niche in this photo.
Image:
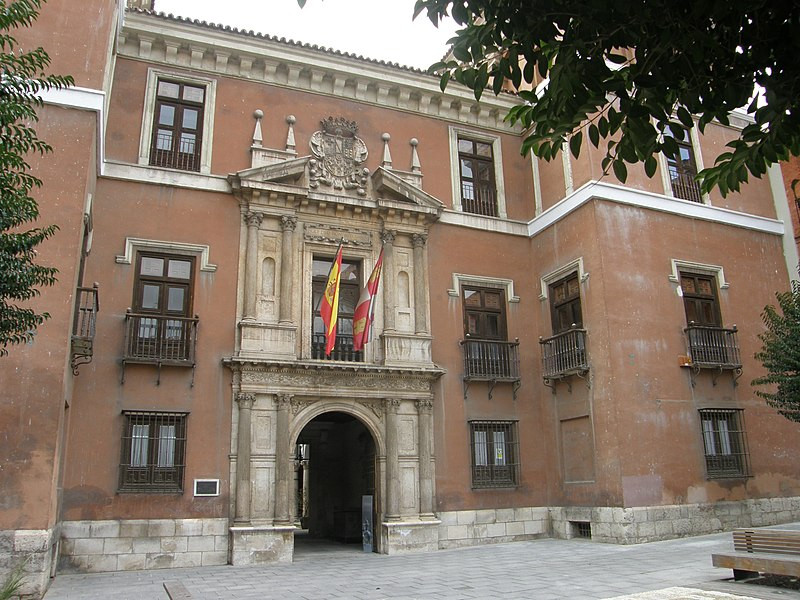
(338, 152)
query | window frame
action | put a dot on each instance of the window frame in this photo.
(206, 125)
(695, 149)
(485, 472)
(455, 169)
(483, 311)
(153, 477)
(698, 298)
(318, 283)
(567, 301)
(728, 442)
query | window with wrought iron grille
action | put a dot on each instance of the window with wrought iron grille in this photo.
(724, 443)
(495, 454)
(683, 170)
(153, 452)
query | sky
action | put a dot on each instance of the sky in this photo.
(379, 29)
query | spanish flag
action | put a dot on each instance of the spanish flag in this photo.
(365, 310)
(329, 308)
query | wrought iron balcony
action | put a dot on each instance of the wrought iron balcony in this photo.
(87, 306)
(714, 348)
(160, 340)
(342, 350)
(564, 354)
(478, 200)
(492, 361)
(684, 186)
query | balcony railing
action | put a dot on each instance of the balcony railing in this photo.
(478, 200)
(87, 306)
(342, 350)
(185, 157)
(493, 361)
(564, 354)
(684, 186)
(160, 339)
(713, 347)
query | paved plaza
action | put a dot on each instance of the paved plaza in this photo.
(541, 569)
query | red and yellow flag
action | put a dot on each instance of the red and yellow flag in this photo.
(329, 308)
(365, 310)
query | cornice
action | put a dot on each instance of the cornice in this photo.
(198, 46)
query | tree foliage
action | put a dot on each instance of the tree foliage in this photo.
(22, 78)
(639, 74)
(780, 354)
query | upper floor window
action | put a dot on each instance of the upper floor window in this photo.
(700, 299)
(477, 173)
(484, 313)
(565, 303)
(178, 122)
(476, 168)
(161, 326)
(682, 171)
(724, 443)
(153, 452)
(349, 291)
(178, 125)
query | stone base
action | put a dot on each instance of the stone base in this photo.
(461, 528)
(31, 550)
(261, 545)
(134, 544)
(405, 537)
(638, 524)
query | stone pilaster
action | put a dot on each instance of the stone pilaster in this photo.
(420, 296)
(389, 287)
(283, 461)
(425, 432)
(242, 513)
(392, 461)
(288, 224)
(253, 221)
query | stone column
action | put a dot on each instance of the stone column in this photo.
(253, 221)
(425, 429)
(245, 402)
(283, 460)
(392, 460)
(389, 286)
(420, 295)
(288, 224)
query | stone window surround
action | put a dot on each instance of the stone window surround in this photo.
(455, 174)
(145, 140)
(678, 265)
(461, 279)
(553, 276)
(133, 245)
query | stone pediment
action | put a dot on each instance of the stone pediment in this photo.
(286, 171)
(394, 191)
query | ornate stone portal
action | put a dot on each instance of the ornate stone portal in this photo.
(295, 211)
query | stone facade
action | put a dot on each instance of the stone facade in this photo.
(133, 544)
(492, 526)
(34, 550)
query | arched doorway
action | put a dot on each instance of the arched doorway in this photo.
(335, 457)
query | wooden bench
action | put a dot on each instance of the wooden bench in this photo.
(775, 551)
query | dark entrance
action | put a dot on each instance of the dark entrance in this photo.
(336, 466)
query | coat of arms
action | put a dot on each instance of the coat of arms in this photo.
(338, 152)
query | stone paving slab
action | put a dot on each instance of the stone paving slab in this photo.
(545, 569)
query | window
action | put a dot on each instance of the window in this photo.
(160, 326)
(682, 171)
(178, 125)
(494, 451)
(700, 299)
(565, 304)
(476, 169)
(724, 443)
(153, 452)
(349, 291)
(484, 313)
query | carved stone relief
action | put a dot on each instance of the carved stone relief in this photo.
(333, 235)
(338, 152)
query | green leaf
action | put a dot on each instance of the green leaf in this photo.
(575, 143)
(620, 171)
(594, 135)
(650, 166)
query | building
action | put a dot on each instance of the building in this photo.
(554, 354)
